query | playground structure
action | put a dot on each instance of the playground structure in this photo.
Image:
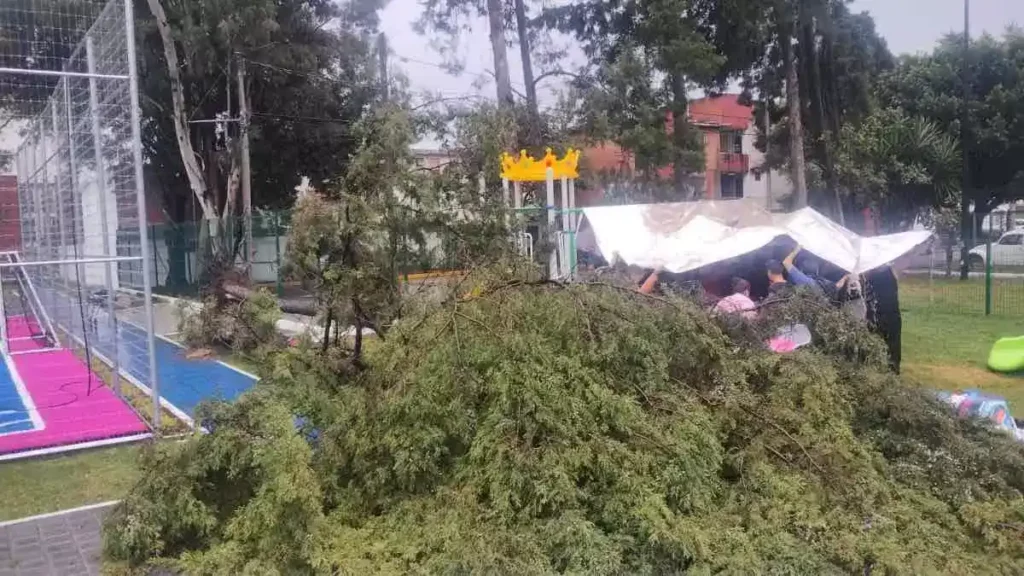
(75, 282)
(561, 220)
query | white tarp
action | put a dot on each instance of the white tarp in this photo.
(684, 236)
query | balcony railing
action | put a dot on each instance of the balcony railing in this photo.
(732, 163)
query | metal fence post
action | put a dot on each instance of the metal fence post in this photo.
(988, 272)
(277, 256)
(62, 270)
(101, 189)
(156, 262)
(140, 194)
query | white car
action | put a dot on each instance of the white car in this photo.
(1007, 251)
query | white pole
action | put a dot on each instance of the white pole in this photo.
(565, 204)
(101, 189)
(140, 195)
(563, 236)
(23, 198)
(62, 251)
(550, 209)
(518, 195)
(573, 219)
(3, 316)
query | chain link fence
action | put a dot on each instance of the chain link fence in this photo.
(71, 207)
(994, 283)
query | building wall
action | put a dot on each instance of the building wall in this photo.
(757, 187)
(712, 148)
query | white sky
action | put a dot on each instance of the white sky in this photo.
(907, 25)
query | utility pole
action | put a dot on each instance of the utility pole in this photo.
(243, 124)
(767, 148)
(382, 64)
(966, 221)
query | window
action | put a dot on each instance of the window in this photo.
(1011, 240)
(731, 142)
(731, 186)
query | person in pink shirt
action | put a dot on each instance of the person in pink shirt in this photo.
(739, 301)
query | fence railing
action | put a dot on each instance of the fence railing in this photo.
(995, 260)
(177, 264)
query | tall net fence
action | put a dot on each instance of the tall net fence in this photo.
(995, 260)
(72, 219)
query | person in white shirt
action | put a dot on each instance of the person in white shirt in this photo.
(739, 301)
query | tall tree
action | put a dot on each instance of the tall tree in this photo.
(451, 17)
(930, 86)
(645, 57)
(899, 165)
(798, 167)
(307, 84)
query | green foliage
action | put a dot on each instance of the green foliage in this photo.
(539, 428)
(247, 502)
(385, 217)
(931, 86)
(899, 164)
(309, 74)
(243, 326)
(645, 56)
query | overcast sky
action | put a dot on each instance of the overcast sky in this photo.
(907, 25)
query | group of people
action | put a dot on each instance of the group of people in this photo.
(878, 305)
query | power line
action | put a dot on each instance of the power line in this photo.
(308, 119)
(282, 69)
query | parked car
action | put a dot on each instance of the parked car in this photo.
(1007, 251)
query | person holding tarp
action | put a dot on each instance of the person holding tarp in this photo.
(883, 311)
(739, 301)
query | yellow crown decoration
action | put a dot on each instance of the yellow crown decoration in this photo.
(528, 169)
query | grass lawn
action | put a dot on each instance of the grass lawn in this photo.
(38, 486)
(946, 343)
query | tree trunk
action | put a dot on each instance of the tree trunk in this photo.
(188, 154)
(496, 18)
(680, 125)
(798, 165)
(302, 307)
(524, 53)
(825, 135)
(327, 330)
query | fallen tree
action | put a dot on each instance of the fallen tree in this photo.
(300, 306)
(539, 429)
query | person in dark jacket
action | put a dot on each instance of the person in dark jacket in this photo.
(883, 311)
(777, 284)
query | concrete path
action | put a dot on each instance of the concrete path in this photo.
(65, 543)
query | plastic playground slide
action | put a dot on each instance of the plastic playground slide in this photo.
(1007, 355)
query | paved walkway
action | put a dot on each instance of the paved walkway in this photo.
(63, 544)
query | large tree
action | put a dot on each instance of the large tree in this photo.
(930, 86)
(645, 57)
(307, 82)
(822, 60)
(899, 165)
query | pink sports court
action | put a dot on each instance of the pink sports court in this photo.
(49, 397)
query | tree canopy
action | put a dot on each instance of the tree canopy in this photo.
(930, 86)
